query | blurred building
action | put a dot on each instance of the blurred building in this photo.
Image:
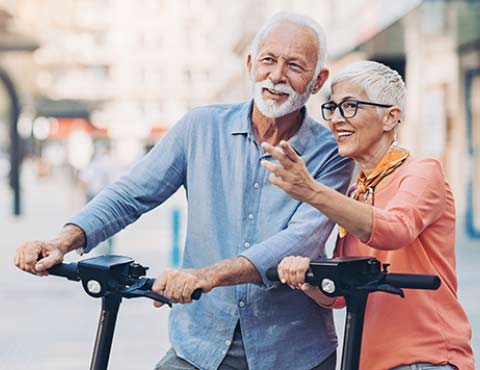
(16, 69)
(141, 63)
(121, 70)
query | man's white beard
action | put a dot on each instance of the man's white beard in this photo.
(270, 108)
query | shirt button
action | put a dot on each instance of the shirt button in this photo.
(251, 216)
(227, 342)
(241, 304)
(256, 185)
(246, 244)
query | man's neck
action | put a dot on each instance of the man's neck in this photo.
(274, 130)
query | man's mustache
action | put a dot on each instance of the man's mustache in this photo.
(283, 88)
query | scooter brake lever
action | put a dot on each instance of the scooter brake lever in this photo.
(387, 288)
(158, 297)
(375, 287)
(133, 292)
(137, 289)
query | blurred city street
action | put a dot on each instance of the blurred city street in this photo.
(87, 87)
(50, 323)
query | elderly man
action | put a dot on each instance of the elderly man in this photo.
(239, 225)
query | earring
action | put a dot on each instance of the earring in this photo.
(395, 135)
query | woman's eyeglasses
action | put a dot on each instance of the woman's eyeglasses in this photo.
(347, 108)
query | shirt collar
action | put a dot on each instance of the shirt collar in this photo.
(244, 124)
(299, 141)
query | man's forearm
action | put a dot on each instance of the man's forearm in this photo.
(237, 270)
(71, 237)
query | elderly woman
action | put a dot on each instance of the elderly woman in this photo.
(401, 212)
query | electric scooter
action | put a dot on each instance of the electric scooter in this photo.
(110, 278)
(115, 277)
(355, 278)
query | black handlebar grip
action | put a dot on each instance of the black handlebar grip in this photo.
(67, 270)
(310, 278)
(272, 274)
(411, 281)
(197, 293)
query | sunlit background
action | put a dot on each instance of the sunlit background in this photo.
(88, 86)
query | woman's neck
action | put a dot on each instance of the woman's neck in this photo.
(370, 162)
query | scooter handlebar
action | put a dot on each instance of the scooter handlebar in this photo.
(411, 281)
(66, 270)
(407, 281)
(272, 275)
(70, 271)
(197, 293)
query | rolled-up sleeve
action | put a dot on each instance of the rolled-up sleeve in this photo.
(307, 230)
(149, 183)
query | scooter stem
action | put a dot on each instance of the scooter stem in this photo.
(106, 327)
(352, 340)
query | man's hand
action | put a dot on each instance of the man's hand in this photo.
(178, 285)
(38, 256)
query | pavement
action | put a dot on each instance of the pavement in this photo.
(50, 323)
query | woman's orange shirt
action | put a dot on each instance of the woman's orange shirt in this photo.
(414, 231)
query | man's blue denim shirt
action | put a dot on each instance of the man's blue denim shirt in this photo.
(233, 210)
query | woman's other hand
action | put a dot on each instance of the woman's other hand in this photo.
(292, 271)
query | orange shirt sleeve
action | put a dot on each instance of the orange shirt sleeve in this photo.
(418, 202)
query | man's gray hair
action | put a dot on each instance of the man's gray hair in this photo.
(381, 83)
(298, 19)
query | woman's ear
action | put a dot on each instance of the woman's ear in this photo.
(391, 118)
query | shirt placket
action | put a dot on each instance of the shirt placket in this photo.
(253, 190)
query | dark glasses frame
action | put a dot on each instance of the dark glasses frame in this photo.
(331, 106)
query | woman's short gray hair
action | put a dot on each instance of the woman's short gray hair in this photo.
(301, 20)
(381, 83)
